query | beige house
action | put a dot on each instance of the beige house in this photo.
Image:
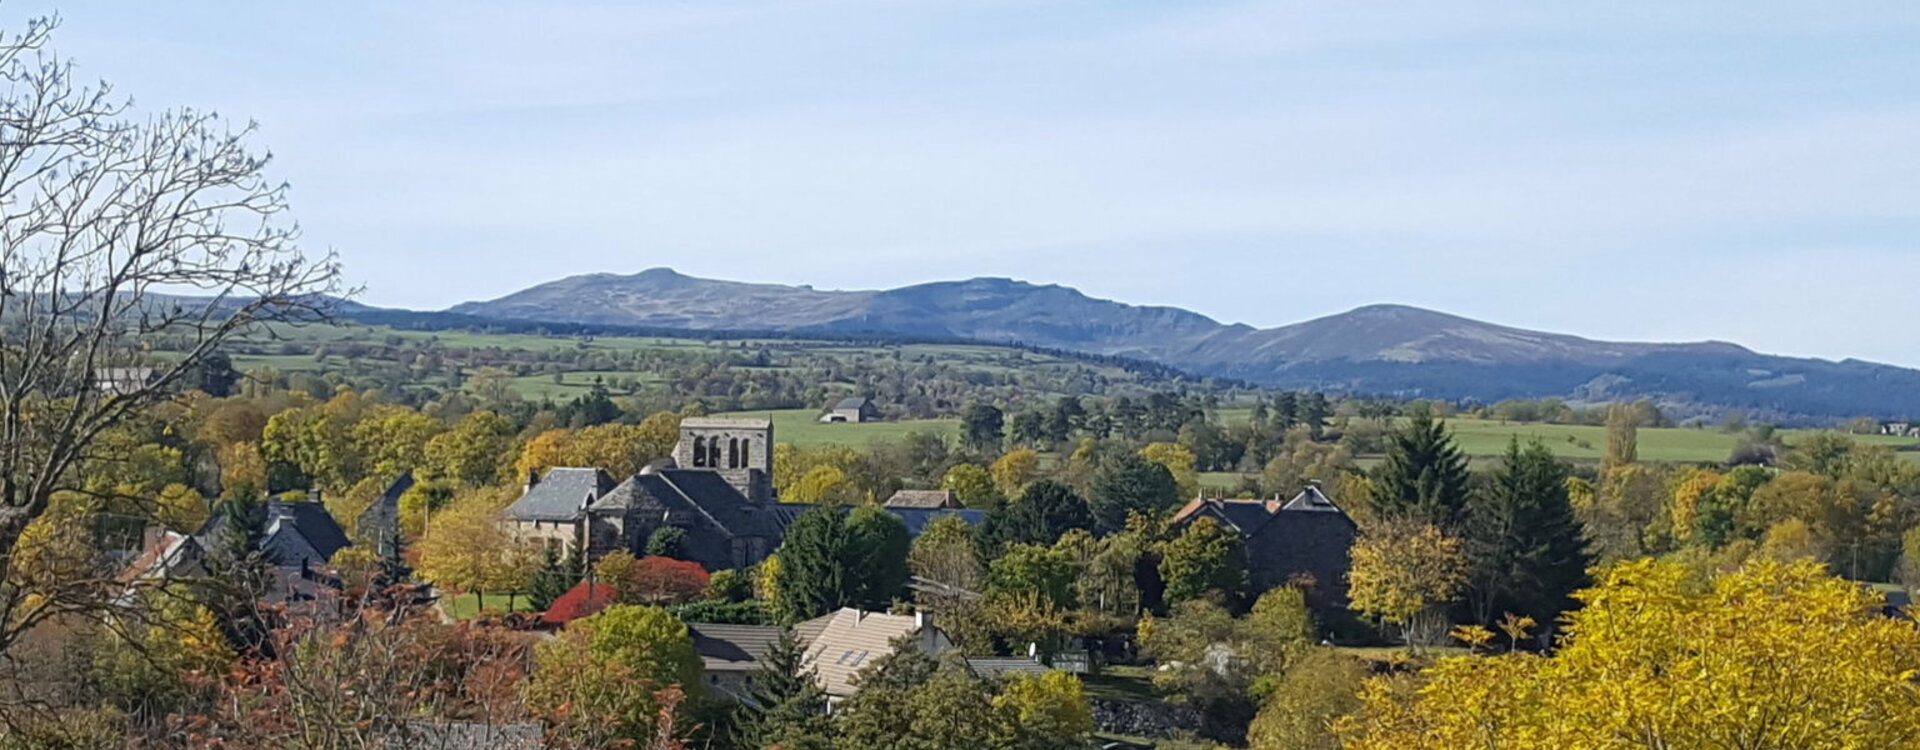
(838, 645)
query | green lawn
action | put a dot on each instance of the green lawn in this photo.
(1121, 682)
(465, 606)
(574, 383)
(802, 427)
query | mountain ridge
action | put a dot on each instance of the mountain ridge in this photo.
(1383, 348)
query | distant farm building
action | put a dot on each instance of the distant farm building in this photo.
(122, 381)
(852, 410)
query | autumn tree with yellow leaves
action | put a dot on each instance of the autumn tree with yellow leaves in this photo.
(1405, 573)
(1771, 656)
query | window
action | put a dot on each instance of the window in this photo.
(699, 452)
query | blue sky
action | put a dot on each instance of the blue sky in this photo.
(1744, 171)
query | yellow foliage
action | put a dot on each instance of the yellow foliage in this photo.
(467, 549)
(1687, 493)
(180, 508)
(1016, 469)
(1775, 655)
(1792, 540)
(621, 449)
(1403, 573)
(243, 472)
(1179, 462)
(825, 484)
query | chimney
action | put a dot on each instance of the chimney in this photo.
(533, 479)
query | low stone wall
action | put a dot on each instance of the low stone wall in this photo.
(1144, 719)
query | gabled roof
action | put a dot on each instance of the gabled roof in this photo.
(699, 492)
(167, 555)
(297, 532)
(380, 517)
(923, 499)
(1311, 499)
(399, 487)
(1249, 516)
(849, 640)
(560, 495)
(734, 648)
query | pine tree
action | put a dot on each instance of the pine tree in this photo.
(550, 581)
(1527, 551)
(238, 576)
(393, 563)
(784, 705)
(1424, 476)
(814, 578)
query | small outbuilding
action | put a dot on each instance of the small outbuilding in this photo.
(852, 409)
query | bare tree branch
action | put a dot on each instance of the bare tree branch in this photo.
(116, 233)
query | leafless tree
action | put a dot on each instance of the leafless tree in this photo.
(117, 233)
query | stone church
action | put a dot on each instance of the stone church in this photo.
(717, 489)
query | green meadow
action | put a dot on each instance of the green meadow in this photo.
(802, 427)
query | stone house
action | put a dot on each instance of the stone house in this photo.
(717, 489)
(552, 508)
(1306, 540)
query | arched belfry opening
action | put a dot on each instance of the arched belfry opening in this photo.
(699, 452)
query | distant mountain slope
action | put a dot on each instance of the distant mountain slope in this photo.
(1381, 349)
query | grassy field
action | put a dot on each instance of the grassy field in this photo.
(465, 606)
(1483, 440)
(573, 384)
(1479, 437)
(802, 427)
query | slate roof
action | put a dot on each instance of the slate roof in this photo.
(699, 492)
(923, 499)
(915, 519)
(380, 520)
(300, 528)
(1312, 499)
(991, 667)
(733, 648)
(726, 423)
(852, 402)
(560, 495)
(1249, 516)
(849, 640)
